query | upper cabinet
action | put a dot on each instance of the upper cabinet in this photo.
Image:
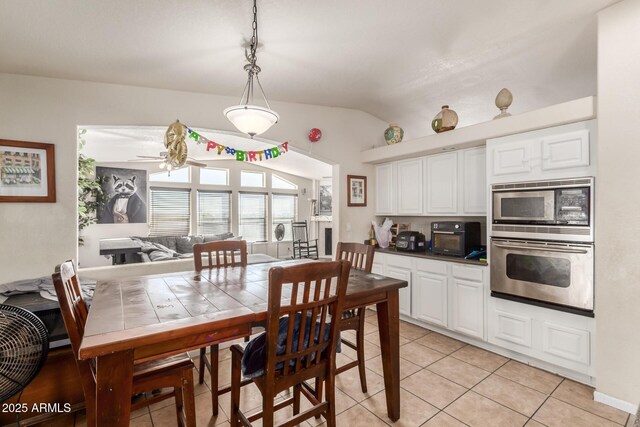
(443, 184)
(558, 152)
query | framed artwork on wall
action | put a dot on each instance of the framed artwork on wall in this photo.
(27, 172)
(125, 193)
(357, 190)
(325, 199)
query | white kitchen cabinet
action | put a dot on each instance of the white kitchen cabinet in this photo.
(467, 300)
(441, 184)
(562, 339)
(552, 153)
(474, 181)
(401, 267)
(430, 292)
(409, 187)
(386, 189)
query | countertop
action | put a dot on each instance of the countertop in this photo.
(429, 255)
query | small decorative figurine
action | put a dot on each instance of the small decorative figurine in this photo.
(503, 101)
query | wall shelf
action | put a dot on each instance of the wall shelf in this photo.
(475, 135)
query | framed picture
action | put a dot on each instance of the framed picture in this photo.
(27, 172)
(125, 195)
(325, 200)
(357, 186)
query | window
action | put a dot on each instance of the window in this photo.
(281, 183)
(214, 212)
(252, 212)
(212, 176)
(178, 176)
(251, 179)
(169, 212)
(284, 210)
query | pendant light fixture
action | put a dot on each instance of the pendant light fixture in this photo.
(247, 117)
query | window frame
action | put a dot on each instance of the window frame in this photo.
(264, 179)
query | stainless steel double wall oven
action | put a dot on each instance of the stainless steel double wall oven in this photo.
(542, 243)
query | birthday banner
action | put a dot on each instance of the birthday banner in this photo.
(241, 155)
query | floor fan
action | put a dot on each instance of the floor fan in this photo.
(24, 345)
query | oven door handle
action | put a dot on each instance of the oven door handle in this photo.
(444, 232)
(546, 249)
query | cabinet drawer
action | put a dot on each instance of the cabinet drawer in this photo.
(511, 328)
(568, 343)
(399, 261)
(466, 272)
(430, 266)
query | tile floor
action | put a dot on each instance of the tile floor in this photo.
(444, 383)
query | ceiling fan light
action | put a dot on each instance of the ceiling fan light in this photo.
(162, 165)
(251, 119)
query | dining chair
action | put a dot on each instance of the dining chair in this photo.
(360, 256)
(217, 254)
(173, 372)
(285, 356)
(303, 247)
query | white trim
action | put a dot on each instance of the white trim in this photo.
(614, 402)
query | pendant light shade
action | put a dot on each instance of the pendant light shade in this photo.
(246, 116)
(251, 119)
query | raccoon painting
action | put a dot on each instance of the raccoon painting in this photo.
(125, 206)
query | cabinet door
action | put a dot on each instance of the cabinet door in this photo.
(441, 189)
(385, 189)
(409, 188)
(402, 273)
(567, 150)
(468, 307)
(474, 181)
(512, 158)
(430, 298)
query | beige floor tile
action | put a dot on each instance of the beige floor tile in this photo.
(343, 402)
(440, 343)
(370, 327)
(432, 388)
(204, 414)
(406, 368)
(631, 422)
(369, 312)
(555, 413)
(374, 338)
(411, 331)
(358, 416)
(419, 354)
(370, 350)
(476, 410)
(414, 411)
(349, 382)
(511, 394)
(481, 358)
(163, 403)
(581, 396)
(143, 421)
(250, 399)
(529, 376)
(164, 417)
(533, 423)
(443, 420)
(458, 371)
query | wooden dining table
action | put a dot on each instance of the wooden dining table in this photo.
(142, 318)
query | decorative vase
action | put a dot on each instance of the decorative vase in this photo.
(503, 101)
(445, 120)
(393, 134)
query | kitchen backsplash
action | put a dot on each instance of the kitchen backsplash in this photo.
(422, 224)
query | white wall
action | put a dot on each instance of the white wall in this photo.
(618, 204)
(34, 237)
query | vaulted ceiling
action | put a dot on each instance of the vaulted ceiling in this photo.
(398, 60)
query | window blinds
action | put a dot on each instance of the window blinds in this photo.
(253, 216)
(284, 210)
(169, 212)
(214, 212)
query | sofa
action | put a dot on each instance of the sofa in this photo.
(165, 248)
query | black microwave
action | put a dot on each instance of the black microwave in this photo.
(455, 238)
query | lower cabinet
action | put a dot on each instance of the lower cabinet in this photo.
(559, 338)
(400, 267)
(430, 292)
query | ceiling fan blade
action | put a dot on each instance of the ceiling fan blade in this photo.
(151, 157)
(197, 164)
(151, 160)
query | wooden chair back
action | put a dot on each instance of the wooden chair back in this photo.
(358, 254)
(316, 289)
(223, 253)
(300, 231)
(74, 313)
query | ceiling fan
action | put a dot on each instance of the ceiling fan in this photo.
(176, 145)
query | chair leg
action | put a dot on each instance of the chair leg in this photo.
(214, 356)
(319, 384)
(330, 392)
(296, 399)
(188, 398)
(203, 354)
(235, 390)
(360, 351)
(179, 403)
